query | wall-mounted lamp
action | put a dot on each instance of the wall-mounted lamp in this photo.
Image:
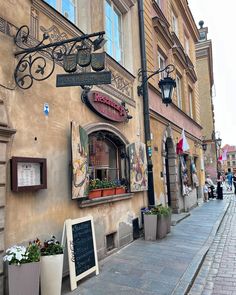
(204, 146)
(166, 85)
(218, 142)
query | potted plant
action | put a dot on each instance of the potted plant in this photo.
(163, 220)
(108, 187)
(119, 188)
(23, 269)
(51, 267)
(95, 188)
(150, 224)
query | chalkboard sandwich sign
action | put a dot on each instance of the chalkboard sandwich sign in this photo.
(82, 250)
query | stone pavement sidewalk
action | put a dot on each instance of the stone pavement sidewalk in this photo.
(162, 267)
(218, 271)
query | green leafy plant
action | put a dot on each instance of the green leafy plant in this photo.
(95, 184)
(99, 184)
(20, 254)
(51, 247)
(157, 210)
(161, 210)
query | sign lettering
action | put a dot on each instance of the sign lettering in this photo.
(106, 107)
(83, 79)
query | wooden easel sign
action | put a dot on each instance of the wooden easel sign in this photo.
(82, 252)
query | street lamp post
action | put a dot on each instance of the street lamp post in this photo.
(143, 90)
(218, 142)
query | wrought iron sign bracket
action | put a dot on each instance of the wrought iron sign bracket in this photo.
(33, 64)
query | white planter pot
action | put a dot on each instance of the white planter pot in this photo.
(24, 278)
(51, 274)
(150, 227)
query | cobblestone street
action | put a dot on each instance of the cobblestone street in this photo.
(217, 274)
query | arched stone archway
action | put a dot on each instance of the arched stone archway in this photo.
(93, 127)
(170, 171)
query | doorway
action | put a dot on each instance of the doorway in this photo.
(171, 174)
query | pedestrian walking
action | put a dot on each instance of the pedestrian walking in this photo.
(219, 186)
(205, 191)
(229, 179)
(234, 181)
(211, 187)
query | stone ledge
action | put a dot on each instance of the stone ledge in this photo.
(105, 200)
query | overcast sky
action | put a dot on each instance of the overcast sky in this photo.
(220, 20)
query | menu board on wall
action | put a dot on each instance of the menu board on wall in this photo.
(28, 174)
(82, 252)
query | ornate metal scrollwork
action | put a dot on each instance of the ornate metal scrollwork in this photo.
(33, 66)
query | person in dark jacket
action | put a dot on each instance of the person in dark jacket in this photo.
(219, 186)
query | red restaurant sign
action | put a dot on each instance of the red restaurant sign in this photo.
(105, 106)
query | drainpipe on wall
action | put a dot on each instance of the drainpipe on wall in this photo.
(151, 198)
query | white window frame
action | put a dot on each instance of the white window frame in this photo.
(190, 96)
(59, 9)
(179, 91)
(175, 26)
(115, 8)
(186, 45)
(162, 61)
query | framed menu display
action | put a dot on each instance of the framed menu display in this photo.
(28, 174)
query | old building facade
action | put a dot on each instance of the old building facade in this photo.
(206, 82)
(36, 122)
(171, 35)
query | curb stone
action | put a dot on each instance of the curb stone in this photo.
(187, 279)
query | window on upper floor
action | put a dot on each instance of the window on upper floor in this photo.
(228, 157)
(190, 97)
(66, 7)
(175, 26)
(186, 45)
(179, 91)
(161, 64)
(233, 156)
(113, 28)
(228, 164)
(233, 163)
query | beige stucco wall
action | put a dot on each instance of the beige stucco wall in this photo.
(42, 213)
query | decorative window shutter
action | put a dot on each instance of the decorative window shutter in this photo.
(80, 175)
(138, 167)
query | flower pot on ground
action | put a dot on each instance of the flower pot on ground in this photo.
(163, 220)
(168, 221)
(150, 225)
(161, 227)
(24, 278)
(51, 267)
(23, 269)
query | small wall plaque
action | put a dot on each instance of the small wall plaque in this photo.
(28, 174)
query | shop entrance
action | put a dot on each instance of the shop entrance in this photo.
(170, 168)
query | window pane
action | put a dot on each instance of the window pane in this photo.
(113, 31)
(69, 9)
(53, 3)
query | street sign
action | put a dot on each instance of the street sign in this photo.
(83, 79)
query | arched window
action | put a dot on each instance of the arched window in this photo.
(107, 157)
